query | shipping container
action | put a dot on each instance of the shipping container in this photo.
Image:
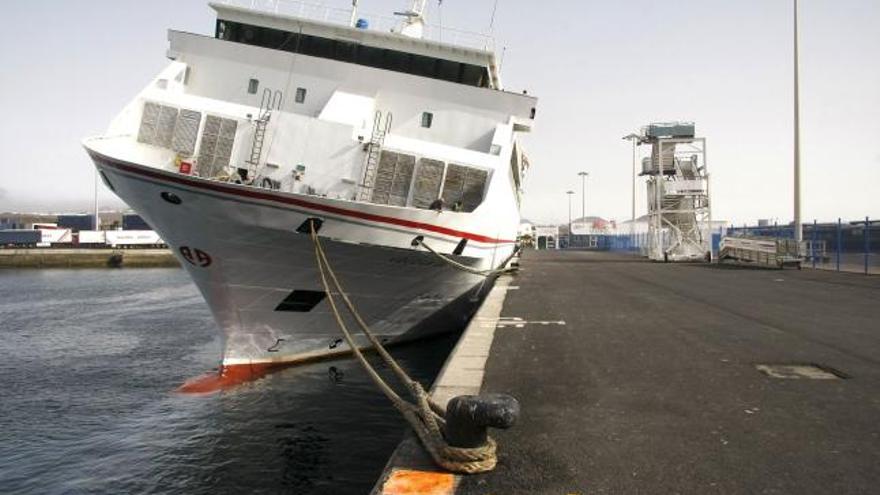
(20, 238)
(133, 221)
(77, 222)
(133, 238)
(55, 237)
(92, 238)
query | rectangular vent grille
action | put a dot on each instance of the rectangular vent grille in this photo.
(185, 132)
(166, 127)
(465, 184)
(429, 176)
(393, 178)
(215, 150)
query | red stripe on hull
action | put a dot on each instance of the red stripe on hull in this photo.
(229, 377)
(266, 196)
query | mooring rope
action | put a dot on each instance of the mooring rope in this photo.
(485, 273)
(425, 416)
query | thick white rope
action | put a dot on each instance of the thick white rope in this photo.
(425, 416)
(485, 273)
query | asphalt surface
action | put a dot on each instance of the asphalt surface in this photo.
(651, 384)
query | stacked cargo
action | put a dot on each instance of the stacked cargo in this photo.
(133, 221)
(77, 222)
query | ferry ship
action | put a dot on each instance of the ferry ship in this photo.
(386, 134)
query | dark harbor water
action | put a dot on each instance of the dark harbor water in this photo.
(89, 362)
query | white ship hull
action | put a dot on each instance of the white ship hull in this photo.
(241, 248)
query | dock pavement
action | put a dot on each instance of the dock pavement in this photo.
(642, 377)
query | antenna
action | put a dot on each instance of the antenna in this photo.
(492, 19)
(354, 11)
(439, 20)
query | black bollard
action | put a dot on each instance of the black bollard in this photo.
(468, 417)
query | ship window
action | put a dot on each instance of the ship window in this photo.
(300, 95)
(184, 140)
(347, 51)
(448, 70)
(473, 75)
(253, 85)
(427, 119)
(429, 176)
(393, 178)
(215, 150)
(465, 185)
(369, 56)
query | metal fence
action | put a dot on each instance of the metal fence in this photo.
(846, 246)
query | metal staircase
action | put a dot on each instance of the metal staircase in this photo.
(374, 152)
(271, 100)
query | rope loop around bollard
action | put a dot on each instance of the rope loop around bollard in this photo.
(425, 416)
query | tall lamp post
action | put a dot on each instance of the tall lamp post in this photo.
(583, 176)
(634, 138)
(97, 216)
(569, 215)
(798, 229)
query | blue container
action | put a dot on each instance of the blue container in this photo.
(362, 24)
(133, 221)
(77, 222)
(20, 237)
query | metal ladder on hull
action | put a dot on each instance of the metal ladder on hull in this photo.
(374, 151)
(270, 101)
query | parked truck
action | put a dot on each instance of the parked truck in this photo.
(20, 238)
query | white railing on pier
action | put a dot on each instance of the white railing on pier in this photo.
(334, 15)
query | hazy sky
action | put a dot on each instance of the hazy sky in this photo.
(600, 69)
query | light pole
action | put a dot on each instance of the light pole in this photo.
(97, 216)
(583, 194)
(798, 230)
(569, 214)
(635, 139)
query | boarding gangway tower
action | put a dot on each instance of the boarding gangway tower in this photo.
(679, 209)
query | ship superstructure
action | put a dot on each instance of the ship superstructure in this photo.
(381, 136)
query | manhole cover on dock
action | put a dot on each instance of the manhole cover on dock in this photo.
(800, 371)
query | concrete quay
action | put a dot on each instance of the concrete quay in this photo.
(641, 377)
(86, 258)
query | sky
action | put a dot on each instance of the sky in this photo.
(600, 70)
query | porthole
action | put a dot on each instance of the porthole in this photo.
(171, 198)
(253, 85)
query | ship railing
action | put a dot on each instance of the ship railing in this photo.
(335, 15)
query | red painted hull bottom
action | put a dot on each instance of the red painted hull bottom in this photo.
(228, 377)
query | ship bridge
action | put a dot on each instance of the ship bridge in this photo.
(317, 30)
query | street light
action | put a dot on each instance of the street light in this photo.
(583, 194)
(635, 139)
(569, 214)
(798, 231)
